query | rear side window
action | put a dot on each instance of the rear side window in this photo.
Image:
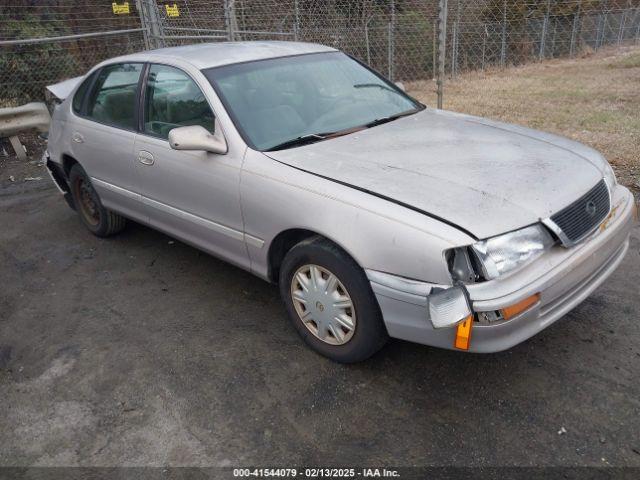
(78, 98)
(172, 100)
(113, 97)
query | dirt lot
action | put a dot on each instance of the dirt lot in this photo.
(18, 175)
(594, 100)
(139, 350)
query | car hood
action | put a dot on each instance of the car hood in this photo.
(484, 176)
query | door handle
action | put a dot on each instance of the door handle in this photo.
(145, 158)
(77, 138)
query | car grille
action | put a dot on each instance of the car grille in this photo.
(581, 217)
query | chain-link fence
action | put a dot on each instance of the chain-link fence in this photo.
(505, 33)
(45, 41)
(398, 42)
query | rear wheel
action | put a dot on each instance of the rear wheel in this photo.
(99, 220)
(330, 301)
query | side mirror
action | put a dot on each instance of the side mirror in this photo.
(400, 85)
(196, 137)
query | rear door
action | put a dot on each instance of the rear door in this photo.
(103, 133)
(192, 195)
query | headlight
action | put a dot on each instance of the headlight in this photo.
(504, 253)
(609, 176)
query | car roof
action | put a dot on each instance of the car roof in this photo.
(208, 55)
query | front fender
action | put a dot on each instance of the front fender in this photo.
(379, 234)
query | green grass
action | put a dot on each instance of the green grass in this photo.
(630, 61)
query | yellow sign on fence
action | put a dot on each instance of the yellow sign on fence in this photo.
(172, 10)
(120, 9)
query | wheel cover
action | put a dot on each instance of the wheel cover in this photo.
(323, 304)
(88, 201)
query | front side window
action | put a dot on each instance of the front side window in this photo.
(172, 100)
(278, 100)
(113, 97)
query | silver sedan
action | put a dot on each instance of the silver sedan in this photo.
(376, 215)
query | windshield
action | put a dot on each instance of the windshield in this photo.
(274, 102)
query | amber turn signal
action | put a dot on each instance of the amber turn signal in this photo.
(517, 308)
(463, 334)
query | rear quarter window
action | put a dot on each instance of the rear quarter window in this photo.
(81, 92)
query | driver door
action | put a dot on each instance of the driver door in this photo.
(191, 195)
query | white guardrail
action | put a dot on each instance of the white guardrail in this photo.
(14, 120)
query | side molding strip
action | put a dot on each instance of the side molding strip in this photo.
(122, 191)
(211, 225)
(216, 227)
(253, 241)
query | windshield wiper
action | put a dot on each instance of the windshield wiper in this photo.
(317, 137)
(390, 118)
(375, 85)
(299, 141)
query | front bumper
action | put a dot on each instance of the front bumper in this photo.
(563, 278)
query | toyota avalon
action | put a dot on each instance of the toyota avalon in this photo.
(377, 216)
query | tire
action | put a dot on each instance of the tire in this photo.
(342, 344)
(98, 220)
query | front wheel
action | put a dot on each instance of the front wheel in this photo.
(330, 301)
(99, 220)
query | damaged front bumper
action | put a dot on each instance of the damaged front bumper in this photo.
(558, 282)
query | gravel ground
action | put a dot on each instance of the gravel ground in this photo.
(140, 350)
(19, 173)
